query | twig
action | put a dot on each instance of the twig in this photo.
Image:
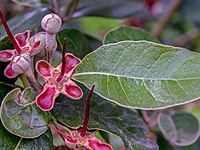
(184, 38)
(56, 7)
(69, 10)
(157, 31)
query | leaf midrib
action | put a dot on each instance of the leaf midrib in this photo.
(130, 77)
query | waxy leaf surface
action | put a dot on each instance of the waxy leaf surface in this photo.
(128, 33)
(180, 129)
(141, 74)
(107, 116)
(17, 117)
(9, 141)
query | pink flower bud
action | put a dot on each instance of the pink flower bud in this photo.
(21, 63)
(51, 23)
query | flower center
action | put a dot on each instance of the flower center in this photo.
(53, 80)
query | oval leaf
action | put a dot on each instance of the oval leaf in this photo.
(128, 33)
(9, 141)
(77, 43)
(17, 119)
(180, 129)
(106, 116)
(142, 74)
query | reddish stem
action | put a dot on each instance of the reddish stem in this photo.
(87, 113)
(63, 62)
(10, 34)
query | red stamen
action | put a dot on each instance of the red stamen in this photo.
(63, 62)
(62, 134)
(10, 34)
(87, 113)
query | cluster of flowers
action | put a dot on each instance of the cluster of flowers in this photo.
(57, 80)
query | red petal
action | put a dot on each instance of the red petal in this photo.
(95, 144)
(22, 38)
(71, 62)
(44, 69)
(9, 71)
(72, 90)
(6, 55)
(46, 99)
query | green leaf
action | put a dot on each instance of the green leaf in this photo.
(128, 33)
(25, 21)
(43, 142)
(180, 129)
(17, 117)
(110, 9)
(77, 43)
(31, 3)
(9, 141)
(142, 74)
(4, 90)
(106, 116)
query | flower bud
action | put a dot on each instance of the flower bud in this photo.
(51, 23)
(21, 63)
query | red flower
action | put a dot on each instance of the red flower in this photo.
(75, 141)
(20, 56)
(57, 80)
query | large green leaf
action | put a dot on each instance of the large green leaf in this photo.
(9, 141)
(111, 8)
(180, 129)
(77, 43)
(142, 74)
(26, 21)
(105, 116)
(18, 113)
(128, 33)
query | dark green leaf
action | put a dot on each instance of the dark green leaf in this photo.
(180, 129)
(43, 142)
(77, 43)
(4, 90)
(17, 118)
(111, 8)
(142, 74)
(128, 33)
(106, 116)
(26, 21)
(163, 144)
(9, 141)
